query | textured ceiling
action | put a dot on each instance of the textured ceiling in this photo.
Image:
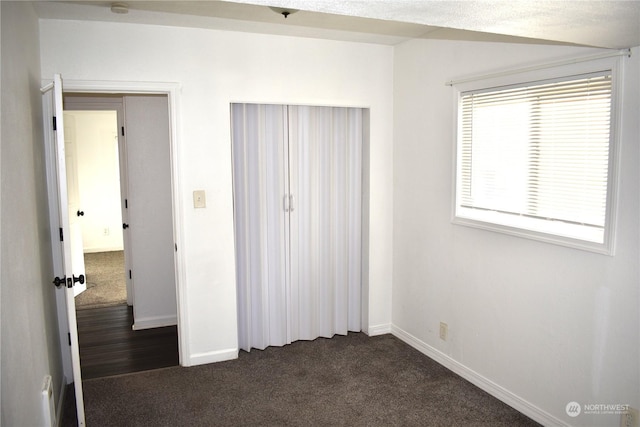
(611, 24)
(614, 24)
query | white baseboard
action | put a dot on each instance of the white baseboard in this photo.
(479, 381)
(212, 357)
(60, 403)
(102, 249)
(154, 322)
(379, 330)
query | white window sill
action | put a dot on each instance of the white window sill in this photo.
(553, 232)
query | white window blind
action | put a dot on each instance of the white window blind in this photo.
(535, 156)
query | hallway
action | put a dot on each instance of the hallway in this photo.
(108, 345)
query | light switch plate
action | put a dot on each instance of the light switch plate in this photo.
(199, 199)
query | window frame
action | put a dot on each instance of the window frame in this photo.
(487, 221)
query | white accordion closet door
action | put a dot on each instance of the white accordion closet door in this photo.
(298, 206)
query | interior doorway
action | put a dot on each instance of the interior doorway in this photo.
(92, 135)
(115, 333)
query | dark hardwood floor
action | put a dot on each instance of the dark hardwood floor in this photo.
(108, 345)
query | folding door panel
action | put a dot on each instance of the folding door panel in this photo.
(325, 152)
(260, 182)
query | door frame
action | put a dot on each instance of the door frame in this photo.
(172, 91)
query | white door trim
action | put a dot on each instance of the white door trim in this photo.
(172, 90)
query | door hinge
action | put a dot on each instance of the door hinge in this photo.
(122, 128)
(126, 204)
(69, 333)
(176, 245)
(55, 123)
(129, 274)
(61, 235)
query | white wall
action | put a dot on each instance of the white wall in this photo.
(214, 69)
(96, 135)
(30, 345)
(547, 323)
(150, 234)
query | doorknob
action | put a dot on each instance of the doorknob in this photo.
(59, 282)
(125, 226)
(80, 213)
(69, 282)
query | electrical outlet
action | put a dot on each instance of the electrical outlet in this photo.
(630, 418)
(105, 231)
(444, 331)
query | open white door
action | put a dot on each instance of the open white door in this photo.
(73, 198)
(61, 230)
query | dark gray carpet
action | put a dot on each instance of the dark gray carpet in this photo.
(344, 381)
(105, 280)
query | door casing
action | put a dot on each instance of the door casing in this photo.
(171, 90)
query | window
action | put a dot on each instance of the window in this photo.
(536, 158)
